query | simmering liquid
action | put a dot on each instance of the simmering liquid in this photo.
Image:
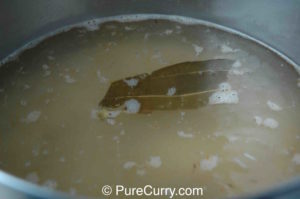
(51, 133)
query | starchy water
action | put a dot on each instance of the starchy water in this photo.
(245, 140)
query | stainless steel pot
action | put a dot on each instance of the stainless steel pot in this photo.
(276, 23)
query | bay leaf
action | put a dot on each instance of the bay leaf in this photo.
(185, 85)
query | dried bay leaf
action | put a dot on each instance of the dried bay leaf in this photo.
(191, 84)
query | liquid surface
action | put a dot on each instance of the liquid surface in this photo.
(51, 133)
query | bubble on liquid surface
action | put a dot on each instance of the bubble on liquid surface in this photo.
(184, 135)
(131, 82)
(270, 123)
(132, 106)
(225, 95)
(129, 165)
(171, 91)
(33, 116)
(198, 49)
(155, 161)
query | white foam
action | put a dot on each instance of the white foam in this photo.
(155, 161)
(101, 77)
(225, 86)
(171, 91)
(94, 114)
(273, 106)
(62, 159)
(258, 120)
(210, 163)
(128, 28)
(132, 106)
(296, 159)
(140, 17)
(111, 121)
(45, 67)
(45, 152)
(237, 64)
(198, 49)
(247, 155)
(47, 73)
(141, 172)
(51, 58)
(168, 32)
(27, 163)
(72, 191)
(51, 184)
(26, 86)
(131, 82)
(270, 123)
(227, 49)
(122, 132)
(32, 177)
(184, 135)
(224, 97)
(232, 138)
(33, 116)
(129, 165)
(237, 72)
(91, 25)
(240, 163)
(69, 79)
(104, 113)
(23, 102)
